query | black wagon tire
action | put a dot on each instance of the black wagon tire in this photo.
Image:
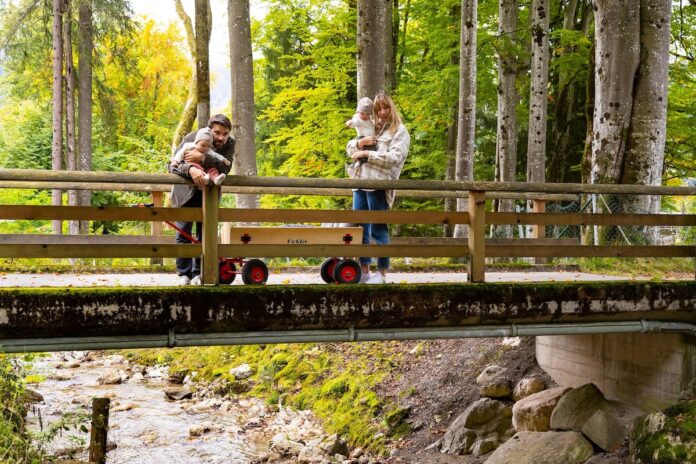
(327, 270)
(347, 271)
(254, 272)
(227, 271)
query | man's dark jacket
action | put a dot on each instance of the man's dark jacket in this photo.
(182, 193)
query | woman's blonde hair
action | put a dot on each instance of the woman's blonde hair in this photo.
(383, 100)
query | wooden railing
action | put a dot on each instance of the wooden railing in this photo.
(476, 218)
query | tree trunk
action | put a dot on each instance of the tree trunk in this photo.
(85, 46)
(538, 94)
(57, 101)
(392, 39)
(645, 150)
(243, 117)
(188, 115)
(617, 56)
(407, 11)
(630, 101)
(506, 142)
(466, 113)
(203, 61)
(566, 122)
(450, 171)
(372, 47)
(70, 154)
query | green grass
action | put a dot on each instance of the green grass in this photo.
(656, 268)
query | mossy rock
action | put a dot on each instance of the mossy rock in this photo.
(395, 420)
(667, 437)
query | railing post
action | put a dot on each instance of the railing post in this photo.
(209, 263)
(539, 230)
(156, 229)
(477, 237)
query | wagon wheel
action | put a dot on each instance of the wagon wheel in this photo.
(347, 271)
(327, 270)
(227, 271)
(254, 272)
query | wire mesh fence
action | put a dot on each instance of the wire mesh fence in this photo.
(606, 235)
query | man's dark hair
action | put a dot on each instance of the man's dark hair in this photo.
(220, 119)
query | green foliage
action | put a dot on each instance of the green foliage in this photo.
(680, 148)
(15, 445)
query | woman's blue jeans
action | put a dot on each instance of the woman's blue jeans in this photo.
(373, 201)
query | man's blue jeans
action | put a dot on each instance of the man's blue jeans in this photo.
(190, 267)
(373, 201)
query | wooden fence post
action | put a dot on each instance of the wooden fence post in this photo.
(477, 237)
(100, 427)
(539, 230)
(209, 264)
(156, 229)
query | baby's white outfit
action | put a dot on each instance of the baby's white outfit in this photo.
(364, 128)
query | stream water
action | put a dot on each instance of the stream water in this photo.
(144, 425)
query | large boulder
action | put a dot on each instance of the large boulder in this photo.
(665, 436)
(533, 413)
(604, 430)
(577, 406)
(543, 447)
(494, 383)
(478, 430)
(527, 386)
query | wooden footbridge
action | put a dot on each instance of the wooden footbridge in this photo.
(37, 319)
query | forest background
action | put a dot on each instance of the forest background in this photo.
(305, 88)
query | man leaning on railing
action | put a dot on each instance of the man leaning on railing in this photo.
(191, 196)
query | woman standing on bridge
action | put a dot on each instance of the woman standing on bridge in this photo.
(385, 163)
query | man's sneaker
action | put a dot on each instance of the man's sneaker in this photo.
(364, 278)
(377, 278)
(184, 280)
(219, 179)
(196, 280)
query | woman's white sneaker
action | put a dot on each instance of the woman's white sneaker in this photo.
(377, 278)
(364, 278)
(184, 280)
(196, 280)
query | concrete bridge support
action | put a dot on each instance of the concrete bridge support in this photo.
(650, 371)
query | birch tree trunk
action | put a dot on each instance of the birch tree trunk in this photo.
(506, 142)
(188, 115)
(538, 93)
(70, 156)
(243, 117)
(85, 46)
(466, 113)
(372, 53)
(202, 25)
(57, 101)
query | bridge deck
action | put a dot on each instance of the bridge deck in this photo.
(154, 313)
